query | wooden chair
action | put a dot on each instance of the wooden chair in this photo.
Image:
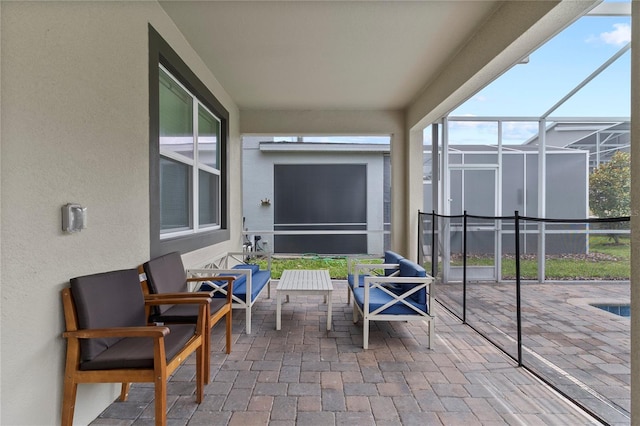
(109, 341)
(165, 276)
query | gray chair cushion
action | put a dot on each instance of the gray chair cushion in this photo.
(165, 274)
(186, 313)
(110, 299)
(136, 352)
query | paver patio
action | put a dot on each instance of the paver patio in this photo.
(306, 375)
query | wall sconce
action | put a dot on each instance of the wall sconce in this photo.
(74, 218)
(265, 202)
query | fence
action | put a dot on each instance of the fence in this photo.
(550, 293)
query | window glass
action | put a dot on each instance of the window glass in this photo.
(208, 137)
(175, 187)
(208, 194)
(176, 117)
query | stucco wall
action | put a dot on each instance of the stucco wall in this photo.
(259, 184)
(75, 113)
(635, 217)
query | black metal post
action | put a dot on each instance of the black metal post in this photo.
(420, 247)
(518, 304)
(434, 259)
(464, 268)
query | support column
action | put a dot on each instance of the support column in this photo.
(399, 193)
(635, 209)
(415, 190)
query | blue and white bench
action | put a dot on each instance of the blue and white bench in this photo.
(359, 267)
(403, 296)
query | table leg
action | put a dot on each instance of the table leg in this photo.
(328, 296)
(278, 309)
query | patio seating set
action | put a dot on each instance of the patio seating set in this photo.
(141, 324)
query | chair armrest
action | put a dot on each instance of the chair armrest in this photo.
(185, 294)
(178, 300)
(352, 261)
(399, 280)
(144, 331)
(192, 274)
(372, 266)
(203, 309)
(210, 278)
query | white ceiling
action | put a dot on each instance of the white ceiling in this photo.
(330, 55)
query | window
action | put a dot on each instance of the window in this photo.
(189, 173)
(188, 135)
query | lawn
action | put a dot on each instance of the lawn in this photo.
(606, 261)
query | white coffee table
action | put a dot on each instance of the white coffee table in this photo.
(304, 282)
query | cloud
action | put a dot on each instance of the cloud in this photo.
(621, 34)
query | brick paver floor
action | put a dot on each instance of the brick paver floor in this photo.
(579, 348)
(306, 375)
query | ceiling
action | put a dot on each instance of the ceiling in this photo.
(330, 55)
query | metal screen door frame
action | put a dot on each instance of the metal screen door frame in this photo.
(457, 204)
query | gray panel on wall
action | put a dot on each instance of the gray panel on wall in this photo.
(480, 192)
(531, 202)
(568, 200)
(426, 196)
(324, 197)
(456, 192)
(512, 184)
(320, 193)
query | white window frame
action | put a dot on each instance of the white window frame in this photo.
(195, 167)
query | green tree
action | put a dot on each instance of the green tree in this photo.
(610, 188)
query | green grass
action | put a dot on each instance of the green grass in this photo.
(606, 261)
(337, 266)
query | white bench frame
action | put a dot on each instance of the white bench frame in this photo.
(223, 266)
(354, 261)
(354, 267)
(378, 282)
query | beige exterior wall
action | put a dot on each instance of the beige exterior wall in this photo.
(356, 122)
(635, 214)
(75, 112)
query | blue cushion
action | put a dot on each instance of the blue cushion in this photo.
(253, 268)
(258, 280)
(238, 282)
(412, 269)
(391, 257)
(378, 298)
(350, 280)
(238, 285)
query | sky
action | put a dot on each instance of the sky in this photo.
(531, 89)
